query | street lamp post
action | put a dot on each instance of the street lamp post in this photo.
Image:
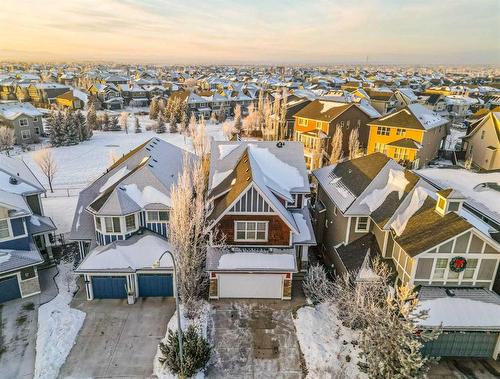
(156, 264)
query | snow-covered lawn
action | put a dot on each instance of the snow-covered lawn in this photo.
(201, 324)
(328, 347)
(486, 200)
(79, 165)
(61, 210)
(58, 326)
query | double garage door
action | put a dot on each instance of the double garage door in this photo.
(9, 289)
(253, 286)
(115, 287)
(462, 344)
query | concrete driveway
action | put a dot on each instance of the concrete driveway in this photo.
(117, 339)
(254, 339)
(18, 329)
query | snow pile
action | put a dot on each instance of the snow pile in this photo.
(396, 182)
(4, 257)
(114, 178)
(305, 234)
(326, 344)
(219, 177)
(257, 261)
(58, 326)
(149, 195)
(226, 149)
(417, 200)
(327, 105)
(34, 220)
(200, 323)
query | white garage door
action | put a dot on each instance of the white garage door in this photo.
(261, 286)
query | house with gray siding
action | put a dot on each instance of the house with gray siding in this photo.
(24, 230)
(24, 119)
(121, 224)
(372, 205)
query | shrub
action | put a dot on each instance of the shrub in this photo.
(195, 348)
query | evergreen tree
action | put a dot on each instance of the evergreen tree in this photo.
(160, 124)
(55, 122)
(173, 123)
(184, 125)
(105, 121)
(92, 123)
(84, 131)
(113, 125)
(154, 108)
(70, 128)
(137, 126)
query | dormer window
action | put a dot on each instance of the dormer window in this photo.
(449, 200)
(441, 204)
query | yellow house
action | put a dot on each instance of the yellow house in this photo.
(412, 135)
(69, 100)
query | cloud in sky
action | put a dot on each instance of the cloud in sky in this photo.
(258, 31)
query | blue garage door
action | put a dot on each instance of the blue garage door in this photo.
(467, 344)
(155, 285)
(109, 287)
(9, 289)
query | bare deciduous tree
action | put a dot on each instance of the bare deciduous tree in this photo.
(336, 143)
(354, 143)
(7, 138)
(45, 160)
(124, 121)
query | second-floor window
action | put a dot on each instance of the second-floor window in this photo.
(383, 131)
(157, 216)
(400, 131)
(25, 134)
(302, 122)
(4, 229)
(251, 231)
(362, 224)
(112, 224)
(23, 122)
(130, 222)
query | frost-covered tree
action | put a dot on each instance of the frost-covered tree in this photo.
(114, 125)
(173, 123)
(354, 143)
(213, 118)
(105, 121)
(184, 124)
(251, 121)
(85, 131)
(154, 109)
(228, 129)
(317, 286)
(160, 125)
(137, 125)
(71, 129)
(124, 121)
(92, 122)
(336, 146)
(47, 164)
(55, 123)
(237, 118)
(7, 138)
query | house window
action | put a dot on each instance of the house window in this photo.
(130, 222)
(37, 130)
(400, 131)
(318, 125)
(25, 134)
(482, 134)
(383, 131)
(35, 119)
(302, 122)
(440, 268)
(380, 147)
(362, 224)
(470, 269)
(112, 224)
(23, 122)
(251, 230)
(341, 124)
(4, 229)
(441, 203)
(158, 216)
(400, 153)
(98, 224)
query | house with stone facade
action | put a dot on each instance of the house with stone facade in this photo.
(258, 196)
(372, 206)
(24, 230)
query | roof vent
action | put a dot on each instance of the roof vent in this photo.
(122, 188)
(450, 292)
(13, 180)
(148, 149)
(280, 144)
(150, 165)
(154, 160)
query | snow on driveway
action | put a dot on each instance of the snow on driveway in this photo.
(326, 344)
(58, 326)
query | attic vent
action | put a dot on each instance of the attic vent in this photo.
(280, 144)
(450, 292)
(122, 188)
(13, 180)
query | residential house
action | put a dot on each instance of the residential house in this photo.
(108, 95)
(24, 230)
(404, 97)
(73, 99)
(8, 89)
(43, 95)
(316, 123)
(133, 95)
(482, 142)
(24, 119)
(382, 99)
(412, 135)
(258, 202)
(372, 206)
(121, 224)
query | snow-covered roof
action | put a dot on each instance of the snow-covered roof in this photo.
(460, 308)
(138, 252)
(251, 260)
(11, 260)
(306, 232)
(13, 110)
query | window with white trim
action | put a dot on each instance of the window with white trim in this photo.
(362, 224)
(35, 119)
(23, 122)
(470, 269)
(302, 122)
(400, 131)
(158, 216)
(440, 269)
(112, 224)
(383, 131)
(380, 147)
(4, 229)
(251, 230)
(130, 222)
(98, 224)
(25, 134)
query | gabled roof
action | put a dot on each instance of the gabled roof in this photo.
(492, 118)
(323, 110)
(407, 143)
(413, 116)
(13, 110)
